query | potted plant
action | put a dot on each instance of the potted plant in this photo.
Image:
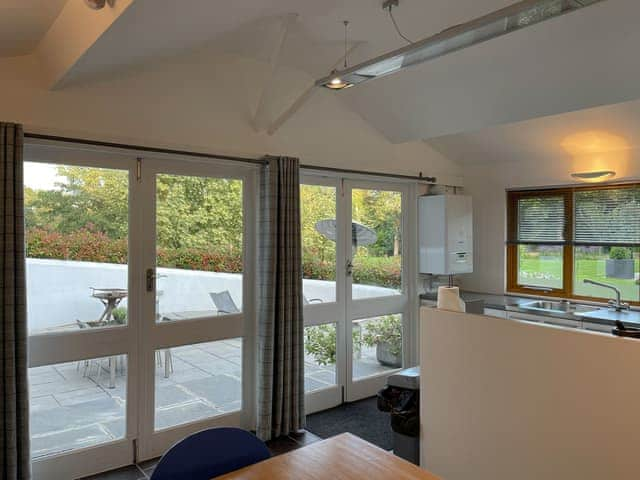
(320, 343)
(620, 263)
(119, 315)
(386, 335)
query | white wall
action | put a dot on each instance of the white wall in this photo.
(205, 101)
(487, 183)
(61, 303)
(508, 400)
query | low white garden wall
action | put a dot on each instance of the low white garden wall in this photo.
(58, 291)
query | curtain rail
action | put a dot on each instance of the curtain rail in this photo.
(255, 161)
(141, 148)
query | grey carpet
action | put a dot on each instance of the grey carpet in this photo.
(361, 418)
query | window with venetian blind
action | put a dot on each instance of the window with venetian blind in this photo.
(559, 237)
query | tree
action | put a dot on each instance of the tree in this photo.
(191, 212)
(317, 203)
(379, 210)
(91, 198)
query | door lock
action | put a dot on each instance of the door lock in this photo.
(349, 268)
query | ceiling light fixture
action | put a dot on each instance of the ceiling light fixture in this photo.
(598, 176)
(335, 80)
(98, 4)
(501, 22)
(388, 5)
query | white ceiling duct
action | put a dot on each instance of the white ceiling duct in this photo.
(501, 22)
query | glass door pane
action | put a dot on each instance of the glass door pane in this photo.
(320, 345)
(319, 237)
(194, 382)
(377, 345)
(376, 243)
(75, 405)
(199, 228)
(77, 225)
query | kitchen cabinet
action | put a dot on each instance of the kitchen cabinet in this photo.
(558, 322)
(493, 312)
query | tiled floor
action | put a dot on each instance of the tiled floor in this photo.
(145, 469)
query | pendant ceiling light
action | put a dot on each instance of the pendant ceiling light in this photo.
(335, 80)
(501, 22)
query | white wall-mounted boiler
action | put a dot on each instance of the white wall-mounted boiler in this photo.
(445, 226)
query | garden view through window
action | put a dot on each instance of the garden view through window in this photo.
(376, 249)
(199, 229)
(77, 240)
(77, 232)
(560, 237)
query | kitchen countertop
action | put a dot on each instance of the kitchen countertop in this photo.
(603, 315)
(491, 300)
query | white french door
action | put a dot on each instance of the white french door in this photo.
(356, 289)
(377, 306)
(196, 337)
(140, 303)
(82, 309)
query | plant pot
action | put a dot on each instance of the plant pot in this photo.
(620, 268)
(385, 357)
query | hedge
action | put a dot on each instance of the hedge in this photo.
(89, 246)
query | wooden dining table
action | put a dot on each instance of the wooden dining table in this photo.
(343, 457)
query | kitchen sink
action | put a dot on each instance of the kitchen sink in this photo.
(557, 307)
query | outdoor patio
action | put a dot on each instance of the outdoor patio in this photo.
(70, 410)
(318, 376)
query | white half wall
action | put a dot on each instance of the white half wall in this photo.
(506, 400)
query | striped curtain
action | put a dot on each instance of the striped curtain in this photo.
(14, 397)
(280, 324)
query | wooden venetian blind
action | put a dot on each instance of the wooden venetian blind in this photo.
(538, 219)
(607, 216)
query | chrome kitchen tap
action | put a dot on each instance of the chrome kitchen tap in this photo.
(617, 303)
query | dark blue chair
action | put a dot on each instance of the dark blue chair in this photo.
(210, 453)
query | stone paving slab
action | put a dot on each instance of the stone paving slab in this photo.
(172, 394)
(69, 410)
(183, 413)
(66, 440)
(218, 389)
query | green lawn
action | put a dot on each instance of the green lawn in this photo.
(548, 273)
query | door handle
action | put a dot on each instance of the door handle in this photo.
(349, 268)
(151, 279)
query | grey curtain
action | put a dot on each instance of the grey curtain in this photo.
(15, 462)
(280, 323)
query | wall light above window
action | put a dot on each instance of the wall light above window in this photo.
(599, 176)
(501, 22)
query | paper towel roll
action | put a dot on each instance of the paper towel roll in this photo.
(449, 299)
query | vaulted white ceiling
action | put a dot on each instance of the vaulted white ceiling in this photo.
(154, 29)
(611, 129)
(23, 23)
(577, 61)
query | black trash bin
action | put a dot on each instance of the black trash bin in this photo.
(401, 397)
